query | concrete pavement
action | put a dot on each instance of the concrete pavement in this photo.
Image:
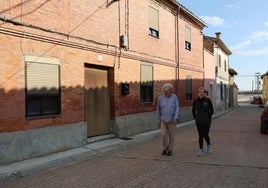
(238, 160)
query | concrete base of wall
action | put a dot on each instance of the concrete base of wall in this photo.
(186, 114)
(17, 146)
(129, 125)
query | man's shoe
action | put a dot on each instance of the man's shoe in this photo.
(201, 152)
(164, 152)
(209, 148)
(169, 153)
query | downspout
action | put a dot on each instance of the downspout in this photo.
(178, 50)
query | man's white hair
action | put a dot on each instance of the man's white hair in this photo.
(166, 87)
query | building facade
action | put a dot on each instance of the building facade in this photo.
(209, 69)
(73, 70)
(191, 63)
(221, 58)
(264, 78)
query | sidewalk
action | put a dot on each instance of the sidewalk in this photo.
(97, 145)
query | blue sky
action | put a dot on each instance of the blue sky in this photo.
(244, 28)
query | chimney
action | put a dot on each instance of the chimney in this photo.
(218, 35)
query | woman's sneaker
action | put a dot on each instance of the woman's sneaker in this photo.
(164, 152)
(209, 148)
(169, 153)
(201, 152)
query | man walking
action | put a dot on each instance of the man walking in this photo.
(202, 112)
(167, 117)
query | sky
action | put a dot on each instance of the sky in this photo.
(244, 30)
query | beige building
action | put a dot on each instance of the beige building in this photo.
(264, 78)
(221, 59)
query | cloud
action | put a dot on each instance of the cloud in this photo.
(266, 24)
(234, 5)
(241, 45)
(253, 52)
(254, 45)
(213, 20)
(259, 36)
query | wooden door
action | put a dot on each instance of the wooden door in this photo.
(97, 101)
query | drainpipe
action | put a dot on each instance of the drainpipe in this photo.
(178, 50)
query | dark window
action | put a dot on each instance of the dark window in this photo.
(42, 89)
(153, 32)
(42, 105)
(189, 93)
(219, 60)
(221, 90)
(146, 86)
(187, 45)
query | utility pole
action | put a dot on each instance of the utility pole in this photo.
(257, 81)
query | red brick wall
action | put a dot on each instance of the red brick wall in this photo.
(191, 62)
(77, 33)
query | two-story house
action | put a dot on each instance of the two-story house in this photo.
(221, 59)
(72, 70)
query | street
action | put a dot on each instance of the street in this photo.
(239, 159)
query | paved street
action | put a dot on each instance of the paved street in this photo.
(239, 159)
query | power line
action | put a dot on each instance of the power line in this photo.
(245, 75)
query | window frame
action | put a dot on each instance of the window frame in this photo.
(188, 45)
(146, 89)
(40, 102)
(219, 56)
(153, 21)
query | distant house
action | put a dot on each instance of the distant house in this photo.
(264, 77)
(233, 89)
(221, 57)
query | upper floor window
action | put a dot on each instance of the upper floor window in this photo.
(219, 60)
(153, 21)
(42, 86)
(188, 38)
(146, 86)
(225, 66)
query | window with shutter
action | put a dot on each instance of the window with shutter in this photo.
(187, 38)
(42, 86)
(153, 21)
(146, 85)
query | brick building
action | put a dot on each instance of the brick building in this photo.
(191, 62)
(72, 70)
